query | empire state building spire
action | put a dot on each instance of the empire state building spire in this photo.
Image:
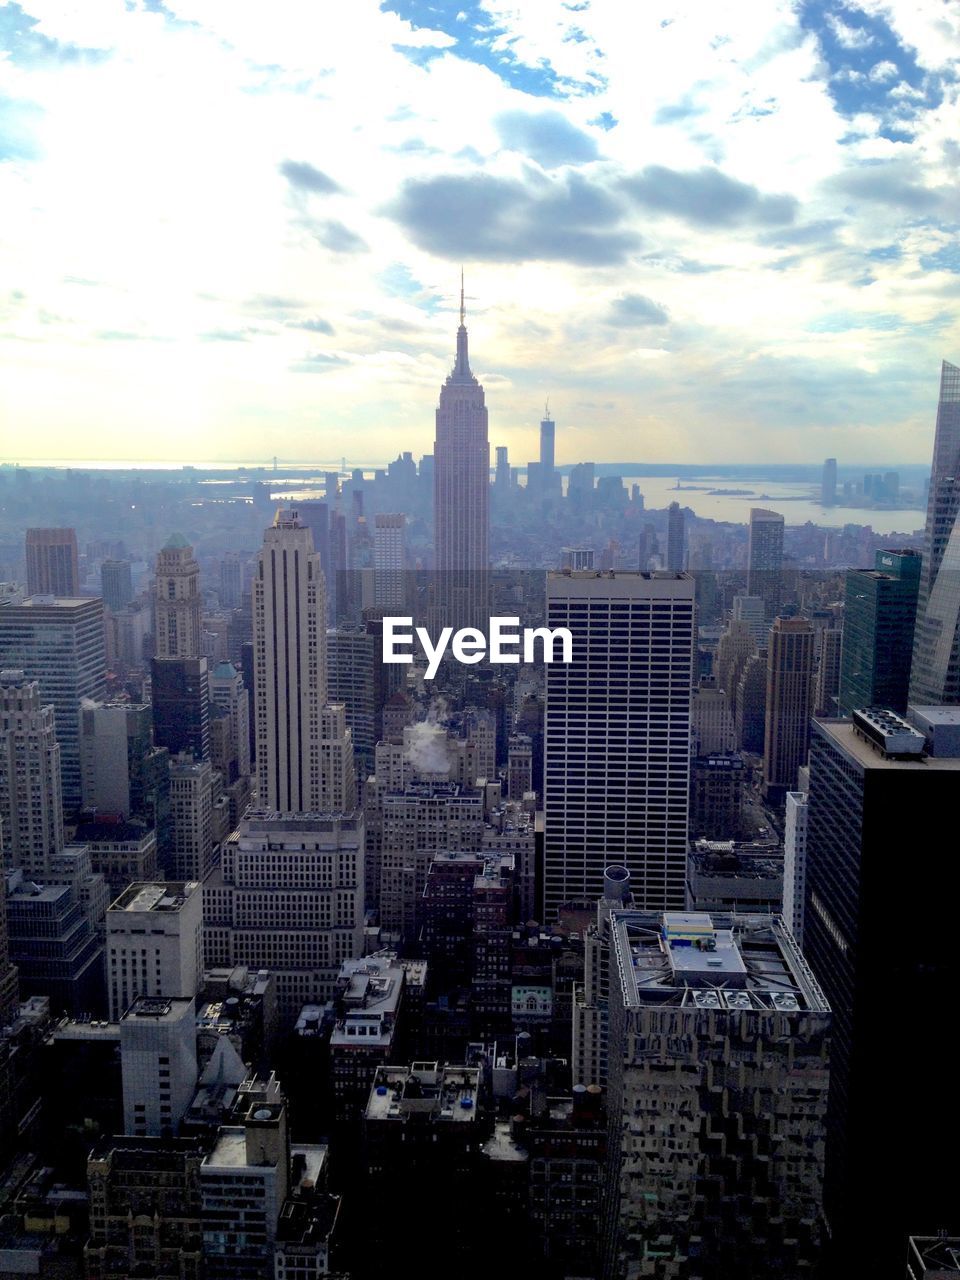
(461, 370)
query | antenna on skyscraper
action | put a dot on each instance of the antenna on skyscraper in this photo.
(463, 309)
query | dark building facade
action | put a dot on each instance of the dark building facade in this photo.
(181, 705)
(887, 960)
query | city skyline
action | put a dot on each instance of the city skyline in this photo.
(752, 259)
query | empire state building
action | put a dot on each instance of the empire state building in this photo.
(461, 495)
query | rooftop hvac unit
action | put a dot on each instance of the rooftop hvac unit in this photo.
(784, 1000)
(706, 999)
(738, 999)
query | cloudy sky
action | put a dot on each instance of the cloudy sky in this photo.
(708, 231)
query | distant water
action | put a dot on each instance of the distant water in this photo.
(797, 503)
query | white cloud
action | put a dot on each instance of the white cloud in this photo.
(848, 36)
(881, 72)
(158, 178)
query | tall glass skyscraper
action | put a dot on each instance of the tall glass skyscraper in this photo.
(879, 614)
(935, 674)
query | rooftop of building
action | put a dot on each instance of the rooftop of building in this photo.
(149, 1153)
(415, 972)
(62, 604)
(620, 583)
(644, 575)
(106, 830)
(936, 715)
(87, 1030)
(720, 761)
(308, 1221)
(268, 821)
(311, 1020)
(712, 961)
(504, 1146)
(235, 1013)
(939, 1257)
(307, 1164)
(369, 993)
(749, 859)
(427, 1090)
(239, 980)
(185, 765)
(437, 789)
(229, 1150)
(844, 734)
(155, 896)
(166, 1009)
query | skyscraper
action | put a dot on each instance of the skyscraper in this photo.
(789, 704)
(227, 692)
(154, 943)
(718, 1070)
(795, 862)
(874, 789)
(617, 753)
(158, 1055)
(231, 581)
(180, 690)
(177, 600)
(548, 433)
(59, 643)
(31, 805)
(879, 616)
(290, 683)
(828, 483)
(418, 822)
(288, 896)
(353, 665)
(935, 674)
(317, 517)
(116, 584)
(675, 536)
(52, 562)
(304, 751)
(827, 683)
(462, 495)
(9, 985)
(180, 697)
(193, 847)
(765, 559)
(549, 482)
(501, 478)
(751, 611)
(389, 562)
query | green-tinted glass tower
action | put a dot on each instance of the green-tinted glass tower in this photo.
(878, 624)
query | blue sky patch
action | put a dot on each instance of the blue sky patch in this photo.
(27, 46)
(945, 259)
(398, 280)
(476, 33)
(866, 61)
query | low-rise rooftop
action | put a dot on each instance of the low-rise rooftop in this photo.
(712, 961)
(155, 896)
(425, 1090)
